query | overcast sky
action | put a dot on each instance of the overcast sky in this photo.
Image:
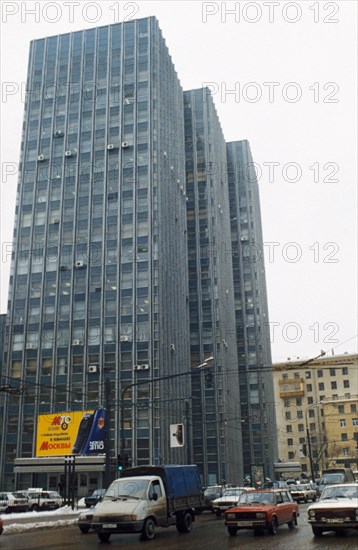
(292, 66)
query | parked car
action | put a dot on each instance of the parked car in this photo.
(96, 497)
(40, 500)
(1, 526)
(13, 502)
(303, 492)
(84, 520)
(229, 499)
(337, 509)
(262, 509)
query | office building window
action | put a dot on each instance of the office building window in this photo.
(321, 386)
(309, 387)
(288, 428)
(333, 385)
(346, 383)
(332, 372)
(341, 409)
(344, 437)
(290, 442)
(319, 373)
(342, 423)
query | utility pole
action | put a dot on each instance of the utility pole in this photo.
(310, 455)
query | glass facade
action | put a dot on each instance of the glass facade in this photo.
(215, 403)
(130, 263)
(251, 310)
(100, 235)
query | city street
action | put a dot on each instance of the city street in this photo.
(208, 532)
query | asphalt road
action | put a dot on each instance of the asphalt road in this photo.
(209, 533)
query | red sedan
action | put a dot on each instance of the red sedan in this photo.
(262, 509)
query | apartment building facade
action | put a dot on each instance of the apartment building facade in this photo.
(316, 405)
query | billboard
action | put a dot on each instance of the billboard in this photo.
(71, 433)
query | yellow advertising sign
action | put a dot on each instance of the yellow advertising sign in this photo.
(56, 433)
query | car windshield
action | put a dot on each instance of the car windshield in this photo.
(257, 498)
(340, 492)
(212, 491)
(19, 495)
(134, 488)
(232, 492)
(329, 479)
(98, 492)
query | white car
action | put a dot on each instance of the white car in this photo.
(229, 499)
(13, 502)
(337, 509)
(44, 500)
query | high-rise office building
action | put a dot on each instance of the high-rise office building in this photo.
(123, 271)
(215, 403)
(259, 445)
(97, 289)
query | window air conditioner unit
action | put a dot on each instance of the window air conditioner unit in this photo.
(63, 268)
(110, 147)
(92, 369)
(76, 342)
(30, 346)
(124, 338)
(80, 263)
(58, 133)
(40, 158)
(125, 144)
(68, 153)
(56, 220)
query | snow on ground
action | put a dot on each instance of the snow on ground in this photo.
(21, 527)
(13, 522)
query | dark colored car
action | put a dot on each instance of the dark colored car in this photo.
(93, 499)
(262, 509)
(210, 494)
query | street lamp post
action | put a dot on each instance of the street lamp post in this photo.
(203, 365)
(308, 434)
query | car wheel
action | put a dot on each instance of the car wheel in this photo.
(232, 531)
(291, 524)
(34, 508)
(104, 537)
(314, 499)
(273, 526)
(84, 529)
(148, 532)
(187, 523)
(8, 510)
(317, 531)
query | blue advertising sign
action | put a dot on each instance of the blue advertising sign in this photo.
(91, 434)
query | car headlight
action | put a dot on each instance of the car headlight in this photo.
(129, 518)
(230, 515)
(261, 515)
(311, 513)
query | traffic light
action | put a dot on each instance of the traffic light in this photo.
(119, 463)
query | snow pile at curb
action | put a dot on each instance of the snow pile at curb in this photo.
(21, 527)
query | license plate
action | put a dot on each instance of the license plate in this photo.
(109, 526)
(244, 523)
(335, 520)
